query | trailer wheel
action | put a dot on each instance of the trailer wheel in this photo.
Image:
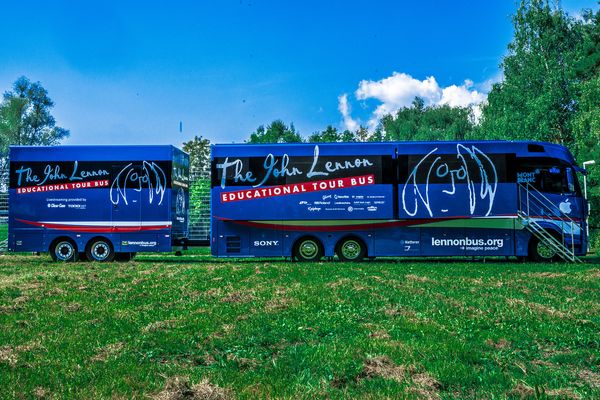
(351, 249)
(64, 250)
(308, 249)
(540, 252)
(100, 250)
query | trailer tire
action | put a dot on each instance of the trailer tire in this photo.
(100, 250)
(351, 249)
(308, 249)
(63, 249)
(538, 252)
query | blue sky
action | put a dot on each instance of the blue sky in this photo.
(129, 72)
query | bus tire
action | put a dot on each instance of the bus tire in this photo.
(351, 249)
(539, 252)
(63, 249)
(308, 249)
(100, 250)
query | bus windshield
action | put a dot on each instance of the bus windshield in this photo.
(548, 175)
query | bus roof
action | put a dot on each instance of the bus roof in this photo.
(92, 152)
(520, 148)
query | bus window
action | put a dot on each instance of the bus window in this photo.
(548, 176)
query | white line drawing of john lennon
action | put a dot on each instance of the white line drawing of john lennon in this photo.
(150, 176)
(471, 177)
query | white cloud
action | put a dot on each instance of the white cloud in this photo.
(486, 86)
(400, 89)
(344, 107)
(461, 96)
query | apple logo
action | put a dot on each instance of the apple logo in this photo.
(565, 207)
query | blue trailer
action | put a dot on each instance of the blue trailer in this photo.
(101, 202)
(358, 200)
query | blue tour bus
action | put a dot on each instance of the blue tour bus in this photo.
(358, 200)
(101, 202)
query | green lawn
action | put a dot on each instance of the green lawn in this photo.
(166, 326)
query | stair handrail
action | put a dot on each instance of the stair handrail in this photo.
(549, 206)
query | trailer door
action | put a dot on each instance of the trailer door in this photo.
(125, 196)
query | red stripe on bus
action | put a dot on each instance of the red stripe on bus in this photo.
(94, 229)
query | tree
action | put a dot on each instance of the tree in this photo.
(199, 150)
(12, 112)
(329, 135)
(276, 132)
(586, 121)
(362, 134)
(347, 136)
(420, 122)
(535, 101)
(25, 117)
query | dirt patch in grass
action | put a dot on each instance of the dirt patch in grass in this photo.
(474, 281)
(221, 333)
(238, 297)
(522, 391)
(417, 278)
(589, 377)
(242, 362)
(426, 386)
(21, 299)
(500, 344)
(108, 351)
(41, 393)
(179, 388)
(382, 367)
(279, 301)
(73, 307)
(394, 311)
(339, 282)
(55, 292)
(379, 334)
(159, 325)
(537, 307)
(563, 393)
(10, 309)
(10, 354)
(544, 363)
(278, 304)
(214, 292)
(593, 273)
(545, 275)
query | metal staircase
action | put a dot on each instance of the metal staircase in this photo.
(535, 207)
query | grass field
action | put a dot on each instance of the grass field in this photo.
(195, 326)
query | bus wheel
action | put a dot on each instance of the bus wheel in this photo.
(308, 249)
(541, 252)
(63, 250)
(100, 249)
(351, 249)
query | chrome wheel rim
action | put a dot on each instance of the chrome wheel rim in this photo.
(64, 251)
(308, 249)
(351, 249)
(100, 251)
